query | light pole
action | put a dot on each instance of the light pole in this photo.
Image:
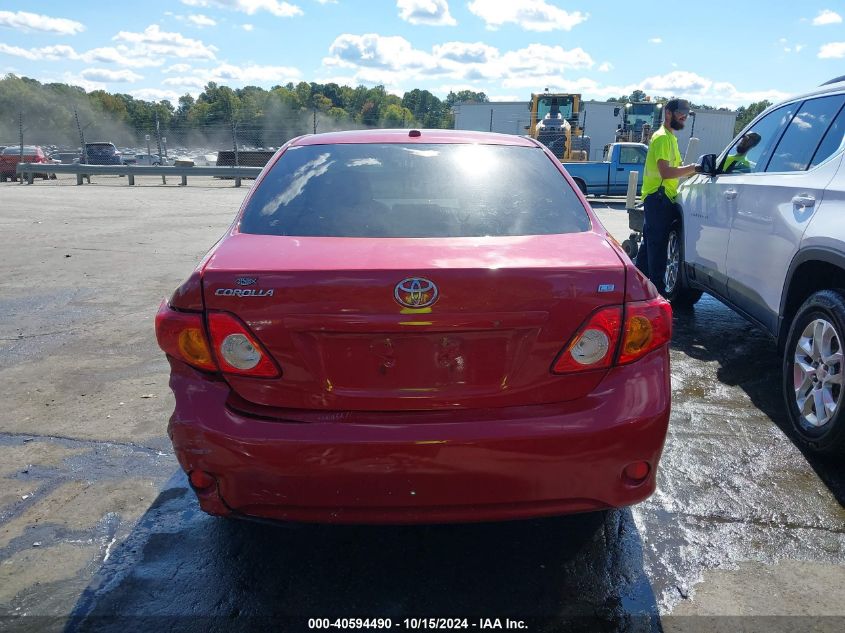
(164, 143)
(149, 154)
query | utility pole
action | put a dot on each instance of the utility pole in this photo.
(20, 129)
(81, 138)
(491, 119)
(235, 142)
(158, 136)
(315, 120)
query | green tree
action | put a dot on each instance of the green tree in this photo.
(744, 115)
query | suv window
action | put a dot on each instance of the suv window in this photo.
(832, 141)
(761, 138)
(415, 190)
(805, 131)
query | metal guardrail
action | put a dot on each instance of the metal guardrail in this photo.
(27, 171)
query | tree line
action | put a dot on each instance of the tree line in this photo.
(56, 113)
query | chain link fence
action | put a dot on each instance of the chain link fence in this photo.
(87, 139)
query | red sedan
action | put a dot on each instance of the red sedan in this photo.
(11, 156)
(416, 326)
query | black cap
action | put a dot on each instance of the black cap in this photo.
(678, 105)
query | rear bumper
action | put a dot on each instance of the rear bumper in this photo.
(488, 465)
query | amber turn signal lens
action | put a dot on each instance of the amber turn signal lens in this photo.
(638, 334)
(193, 347)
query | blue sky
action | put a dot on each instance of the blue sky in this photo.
(720, 53)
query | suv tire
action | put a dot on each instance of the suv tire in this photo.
(814, 372)
(677, 292)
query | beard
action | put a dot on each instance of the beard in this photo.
(675, 124)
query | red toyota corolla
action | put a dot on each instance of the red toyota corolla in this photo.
(416, 326)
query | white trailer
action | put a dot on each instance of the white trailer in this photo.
(713, 128)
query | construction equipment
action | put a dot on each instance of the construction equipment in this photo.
(639, 121)
(555, 122)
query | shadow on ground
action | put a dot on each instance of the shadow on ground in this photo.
(182, 570)
(748, 358)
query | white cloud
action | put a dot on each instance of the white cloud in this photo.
(430, 12)
(605, 67)
(231, 75)
(27, 22)
(155, 94)
(122, 56)
(177, 68)
(85, 84)
(531, 15)
(694, 87)
(655, 40)
(827, 16)
(247, 27)
(466, 53)
(393, 61)
(250, 7)
(112, 76)
(201, 20)
(154, 41)
(833, 50)
(376, 51)
(327, 1)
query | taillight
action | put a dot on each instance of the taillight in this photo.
(647, 326)
(182, 336)
(236, 348)
(594, 345)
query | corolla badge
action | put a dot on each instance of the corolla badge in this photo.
(415, 292)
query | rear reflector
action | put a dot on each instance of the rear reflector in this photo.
(636, 473)
(182, 336)
(200, 479)
(237, 349)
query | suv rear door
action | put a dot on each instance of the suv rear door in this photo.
(774, 203)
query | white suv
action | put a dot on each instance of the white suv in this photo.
(763, 230)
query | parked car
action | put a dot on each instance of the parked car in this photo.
(761, 230)
(610, 176)
(11, 156)
(419, 326)
(148, 159)
(101, 154)
(65, 158)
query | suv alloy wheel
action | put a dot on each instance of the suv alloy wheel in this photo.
(814, 372)
(677, 291)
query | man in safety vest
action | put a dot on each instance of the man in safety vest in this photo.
(738, 163)
(660, 189)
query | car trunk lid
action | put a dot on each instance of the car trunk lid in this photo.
(329, 311)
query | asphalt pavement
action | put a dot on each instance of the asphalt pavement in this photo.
(99, 531)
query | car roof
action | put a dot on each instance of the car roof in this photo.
(404, 136)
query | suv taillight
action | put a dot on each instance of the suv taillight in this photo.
(604, 336)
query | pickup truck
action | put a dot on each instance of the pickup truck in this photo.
(610, 176)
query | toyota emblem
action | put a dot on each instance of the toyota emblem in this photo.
(415, 292)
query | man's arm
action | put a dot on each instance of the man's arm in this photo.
(666, 171)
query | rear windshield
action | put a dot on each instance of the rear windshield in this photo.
(100, 147)
(27, 149)
(392, 190)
